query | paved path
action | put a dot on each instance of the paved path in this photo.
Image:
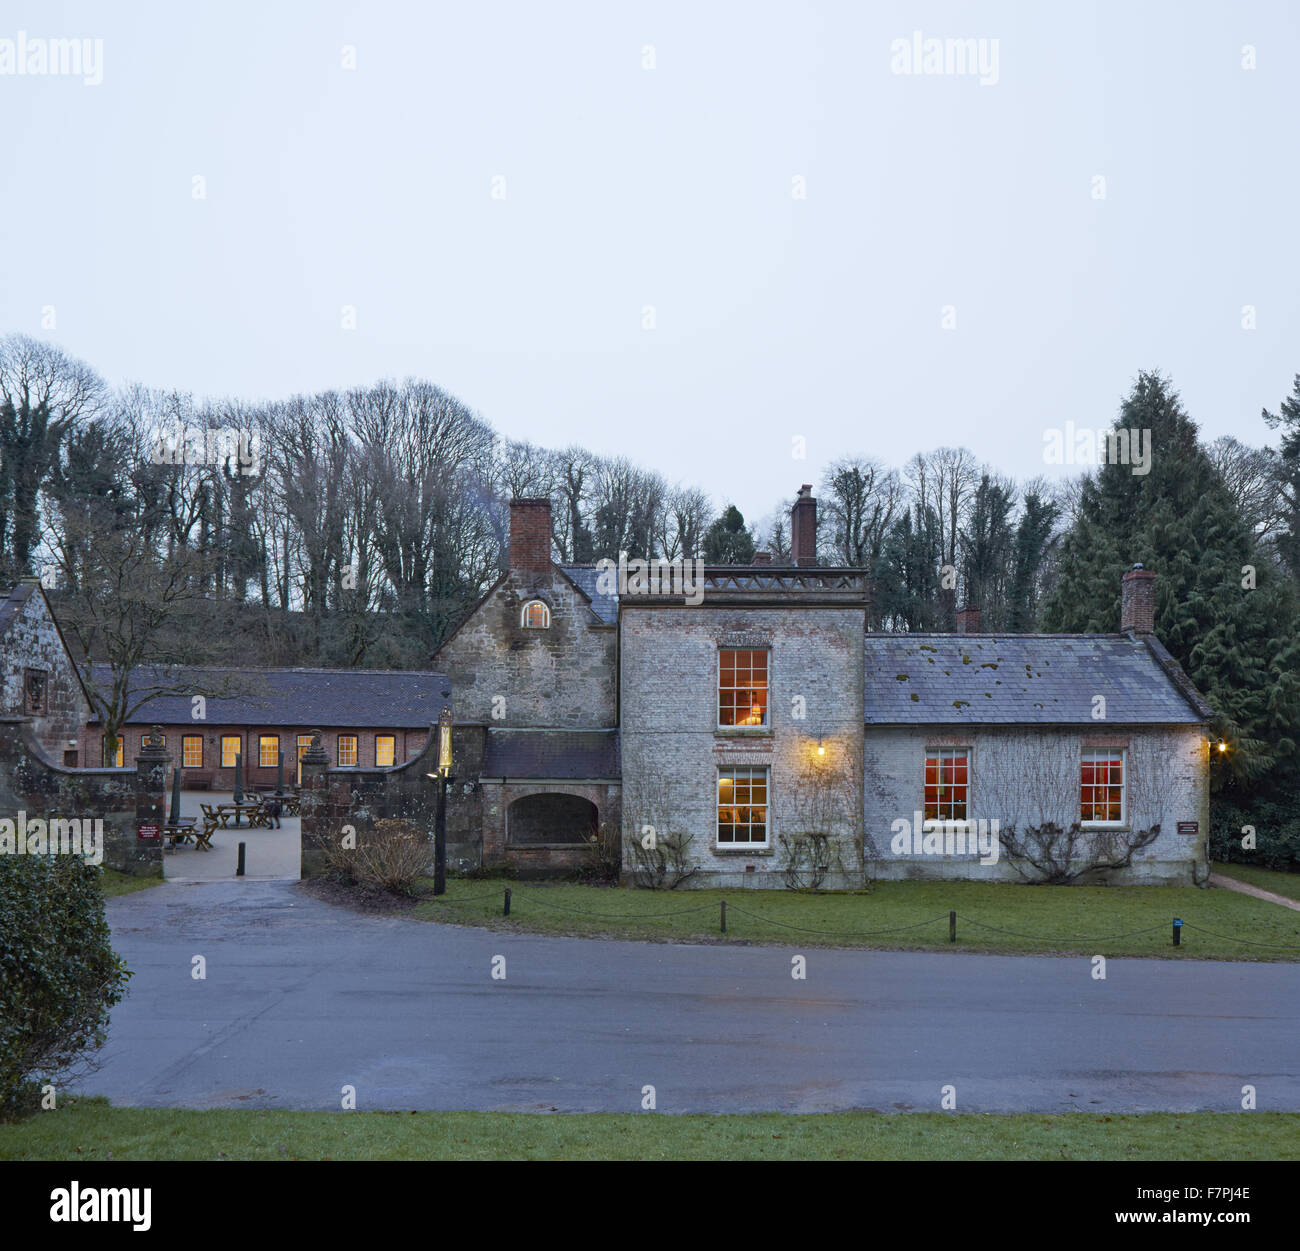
(1245, 888)
(302, 998)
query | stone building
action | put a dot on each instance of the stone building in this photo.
(37, 678)
(740, 727)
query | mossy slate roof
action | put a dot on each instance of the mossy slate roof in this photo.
(1023, 679)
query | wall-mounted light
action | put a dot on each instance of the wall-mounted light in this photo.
(1223, 746)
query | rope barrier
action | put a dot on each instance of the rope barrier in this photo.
(833, 933)
(1073, 938)
(898, 929)
(1187, 925)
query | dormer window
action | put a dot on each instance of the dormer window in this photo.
(537, 616)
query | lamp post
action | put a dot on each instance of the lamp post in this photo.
(444, 780)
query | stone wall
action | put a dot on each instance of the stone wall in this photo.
(504, 674)
(532, 856)
(1022, 777)
(33, 641)
(32, 784)
(333, 797)
(673, 748)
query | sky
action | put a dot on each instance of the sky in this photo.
(730, 241)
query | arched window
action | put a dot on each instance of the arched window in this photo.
(537, 616)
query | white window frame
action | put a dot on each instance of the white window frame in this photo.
(355, 740)
(186, 739)
(766, 723)
(385, 738)
(262, 740)
(950, 823)
(546, 615)
(751, 770)
(238, 740)
(1123, 788)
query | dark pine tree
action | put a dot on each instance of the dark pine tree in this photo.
(1222, 609)
(727, 542)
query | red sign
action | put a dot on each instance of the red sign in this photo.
(1189, 827)
(148, 830)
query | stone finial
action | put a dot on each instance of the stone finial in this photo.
(315, 754)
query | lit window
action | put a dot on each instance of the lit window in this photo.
(231, 746)
(347, 749)
(537, 616)
(1101, 787)
(268, 751)
(742, 687)
(114, 759)
(385, 751)
(304, 742)
(192, 751)
(742, 807)
(947, 783)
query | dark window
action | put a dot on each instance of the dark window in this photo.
(34, 693)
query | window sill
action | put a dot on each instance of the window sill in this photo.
(743, 731)
(1105, 825)
(730, 849)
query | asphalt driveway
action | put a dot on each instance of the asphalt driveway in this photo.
(301, 998)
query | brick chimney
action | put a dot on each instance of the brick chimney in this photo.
(762, 558)
(968, 620)
(1137, 613)
(803, 527)
(530, 535)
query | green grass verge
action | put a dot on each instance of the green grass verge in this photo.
(1287, 884)
(89, 1129)
(114, 883)
(1062, 920)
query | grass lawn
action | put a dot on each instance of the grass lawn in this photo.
(114, 883)
(1287, 884)
(89, 1129)
(897, 916)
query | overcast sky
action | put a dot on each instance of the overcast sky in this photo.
(672, 189)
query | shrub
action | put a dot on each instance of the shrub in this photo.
(665, 864)
(59, 975)
(390, 855)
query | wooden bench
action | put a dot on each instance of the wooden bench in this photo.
(196, 779)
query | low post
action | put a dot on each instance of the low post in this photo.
(952, 927)
(722, 903)
(1178, 932)
(239, 867)
(506, 912)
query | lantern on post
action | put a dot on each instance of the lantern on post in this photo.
(443, 778)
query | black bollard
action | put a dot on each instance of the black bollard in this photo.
(952, 927)
(722, 903)
(506, 913)
(1178, 932)
(239, 868)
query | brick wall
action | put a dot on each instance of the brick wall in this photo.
(1023, 777)
(409, 744)
(672, 748)
(505, 674)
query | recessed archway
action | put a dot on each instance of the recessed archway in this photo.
(550, 818)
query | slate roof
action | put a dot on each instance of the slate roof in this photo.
(310, 698)
(537, 754)
(604, 606)
(12, 599)
(1010, 679)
